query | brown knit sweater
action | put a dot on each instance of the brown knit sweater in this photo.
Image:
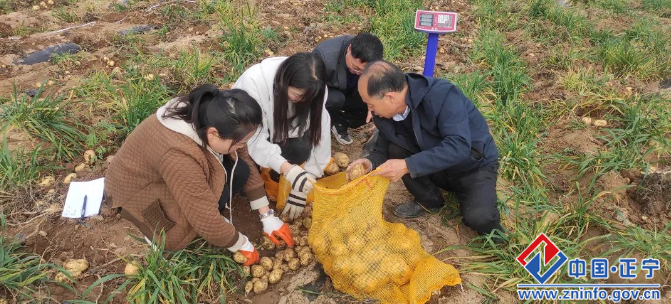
(165, 180)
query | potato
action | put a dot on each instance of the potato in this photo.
(258, 271)
(277, 263)
(260, 286)
(249, 287)
(282, 245)
(403, 276)
(81, 167)
(60, 277)
(239, 257)
(307, 212)
(285, 218)
(307, 223)
(398, 270)
(306, 258)
(350, 266)
(267, 244)
(295, 229)
(358, 267)
(266, 263)
(303, 240)
(247, 270)
(294, 264)
(280, 255)
(254, 280)
(355, 172)
(76, 266)
(355, 243)
(366, 283)
(298, 248)
(275, 276)
(319, 245)
(47, 182)
(289, 254)
(69, 178)
(284, 267)
(131, 269)
(340, 266)
(265, 278)
(600, 123)
(341, 159)
(305, 249)
(339, 249)
(332, 169)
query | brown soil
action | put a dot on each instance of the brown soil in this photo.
(653, 196)
(629, 198)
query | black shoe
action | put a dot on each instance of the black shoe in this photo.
(412, 210)
(342, 137)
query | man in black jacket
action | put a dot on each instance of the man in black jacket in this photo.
(344, 58)
(432, 137)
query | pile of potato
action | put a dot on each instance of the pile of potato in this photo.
(285, 260)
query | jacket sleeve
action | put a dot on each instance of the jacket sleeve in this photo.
(321, 154)
(454, 127)
(254, 188)
(380, 153)
(184, 177)
(262, 151)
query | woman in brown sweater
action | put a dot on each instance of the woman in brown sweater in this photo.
(178, 170)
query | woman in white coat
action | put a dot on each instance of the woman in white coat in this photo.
(291, 92)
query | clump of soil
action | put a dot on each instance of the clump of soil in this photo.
(654, 194)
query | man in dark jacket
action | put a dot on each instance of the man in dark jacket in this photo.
(344, 58)
(432, 137)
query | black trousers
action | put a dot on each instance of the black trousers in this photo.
(296, 151)
(475, 191)
(240, 177)
(347, 109)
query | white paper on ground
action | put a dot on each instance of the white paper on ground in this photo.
(93, 190)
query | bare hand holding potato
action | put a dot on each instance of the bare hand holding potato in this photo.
(359, 163)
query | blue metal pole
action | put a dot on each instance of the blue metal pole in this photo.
(430, 60)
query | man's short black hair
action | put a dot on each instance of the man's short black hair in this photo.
(383, 77)
(366, 47)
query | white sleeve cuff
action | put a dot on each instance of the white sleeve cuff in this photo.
(275, 162)
(259, 203)
(238, 244)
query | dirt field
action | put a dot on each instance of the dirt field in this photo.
(590, 183)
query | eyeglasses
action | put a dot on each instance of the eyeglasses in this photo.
(357, 70)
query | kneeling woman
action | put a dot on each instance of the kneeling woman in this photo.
(295, 129)
(178, 170)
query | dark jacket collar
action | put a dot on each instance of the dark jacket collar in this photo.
(342, 64)
(418, 87)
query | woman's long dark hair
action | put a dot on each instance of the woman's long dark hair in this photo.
(302, 71)
(233, 113)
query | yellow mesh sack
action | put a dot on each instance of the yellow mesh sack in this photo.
(329, 182)
(282, 190)
(366, 256)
